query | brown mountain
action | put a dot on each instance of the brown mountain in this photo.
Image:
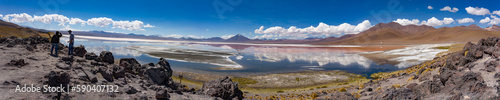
(8, 29)
(395, 34)
(380, 33)
(493, 28)
(473, 26)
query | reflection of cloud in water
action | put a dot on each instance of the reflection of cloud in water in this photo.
(320, 58)
(115, 50)
(190, 55)
(415, 54)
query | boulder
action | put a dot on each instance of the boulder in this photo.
(58, 78)
(342, 96)
(79, 51)
(162, 95)
(18, 62)
(131, 65)
(164, 64)
(118, 72)
(160, 73)
(130, 90)
(107, 56)
(106, 73)
(224, 88)
(157, 74)
(397, 94)
(68, 58)
(90, 56)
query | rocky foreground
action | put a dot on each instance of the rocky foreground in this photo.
(28, 61)
(470, 74)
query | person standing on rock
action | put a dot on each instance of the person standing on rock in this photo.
(71, 42)
(55, 42)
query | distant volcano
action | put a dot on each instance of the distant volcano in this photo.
(238, 38)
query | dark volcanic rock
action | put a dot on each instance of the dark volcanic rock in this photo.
(162, 95)
(107, 56)
(130, 90)
(90, 56)
(18, 62)
(58, 78)
(342, 96)
(106, 73)
(160, 73)
(131, 65)
(118, 72)
(68, 58)
(223, 88)
(79, 51)
(398, 94)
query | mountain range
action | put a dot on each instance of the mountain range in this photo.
(381, 34)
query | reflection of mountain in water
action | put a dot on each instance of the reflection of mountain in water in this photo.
(320, 58)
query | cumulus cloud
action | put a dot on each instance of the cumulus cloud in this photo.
(48, 18)
(226, 36)
(496, 12)
(485, 20)
(477, 11)
(430, 7)
(493, 21)
(448, 8)
(18, 18)
(101, 21)
(448, 20)
(405, 22)
(321, 30)
(465, 20)
(129, 25)
(73, 21)
(63, 20)
(436, 22)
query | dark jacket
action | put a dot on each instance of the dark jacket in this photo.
(55, 37)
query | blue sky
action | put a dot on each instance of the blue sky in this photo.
(211, 18)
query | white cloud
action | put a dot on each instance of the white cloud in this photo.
(493, 16)
(148, 26)
(496, 12)
(448, 20)
(18, 18)
(101, 21)
(465, 20)
(321, 30)
(492, 21)
(405, 22)
(430, 7)
(196, 37)
(432, 22)
(477, 11)
(129, 25)
(226, 36)
(448, 8)
(77, 21)
(485, 20)
(436, 22)
(62, 20)
(48, 18)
